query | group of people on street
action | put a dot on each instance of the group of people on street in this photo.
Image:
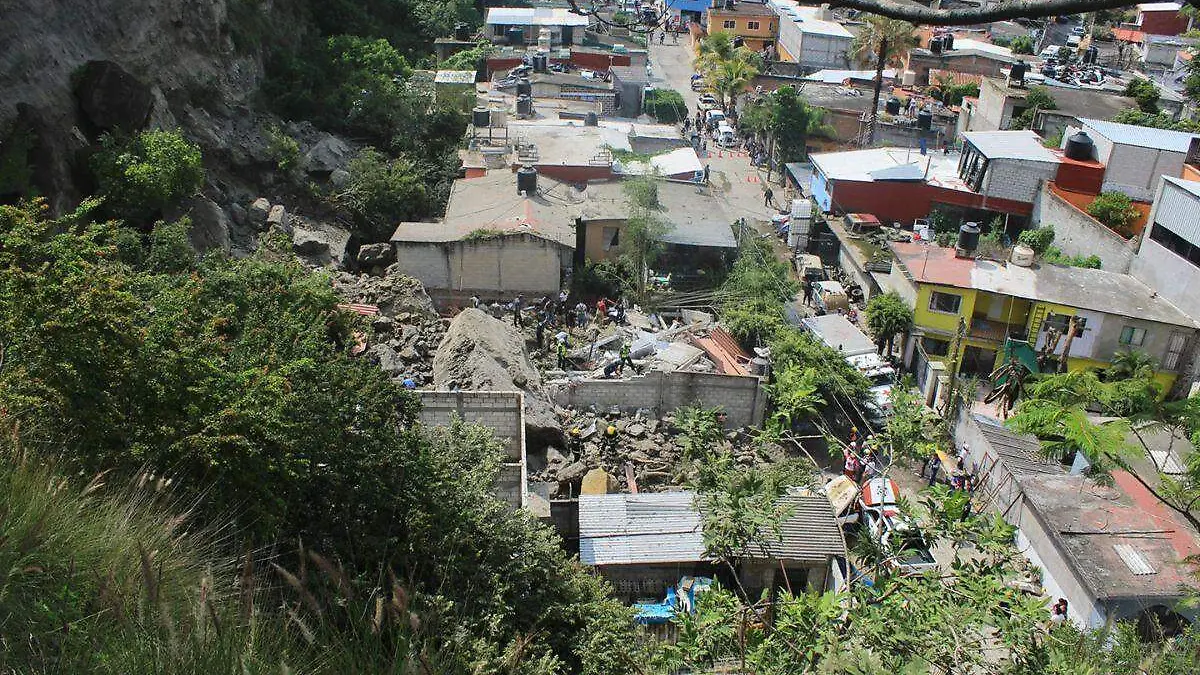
(863, 458)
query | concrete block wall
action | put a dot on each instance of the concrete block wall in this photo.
(512, 264)
(1018, 180)
(501, 411)
(741, 396)
(1077, 233)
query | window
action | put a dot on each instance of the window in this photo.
(1174, 351)
(729, 23)
(612, 238)
(935, 347)
(944, 302)
(1062, 322)
(1133, 336)
(498, 30)
(752, 25)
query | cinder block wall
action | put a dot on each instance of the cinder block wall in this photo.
(1077, 233)
(501, 411)
(741, 396)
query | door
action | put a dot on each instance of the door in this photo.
(978, 361)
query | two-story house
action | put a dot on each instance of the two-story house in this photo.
(998, 300)
(756, 24)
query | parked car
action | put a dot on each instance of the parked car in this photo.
(1077, 30)
(708, 102)
(724, 136)
(899, 536)
(830, 296)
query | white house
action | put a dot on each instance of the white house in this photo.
(809, 36)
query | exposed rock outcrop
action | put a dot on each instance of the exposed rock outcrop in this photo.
(112, 99)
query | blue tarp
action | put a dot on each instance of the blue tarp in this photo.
(656, 612)
(698, 6)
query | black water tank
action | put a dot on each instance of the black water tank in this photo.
(515, 35)
(540, 62)
(948, 41)
(1092, 55)
(1017, 72)
(968, 240)
(524, 106)
(591, 120)
(892, 106)
(924, 120)
(481, 117)
(1079, 146)
(462, 31)
(524, 87)
(527, 180)
(935, 45)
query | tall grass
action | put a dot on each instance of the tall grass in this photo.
(102, 578)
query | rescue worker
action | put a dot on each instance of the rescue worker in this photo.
(575, 441)
(562, 355)
(625, 359)
(850, 467)
(610, 438)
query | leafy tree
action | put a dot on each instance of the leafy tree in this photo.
(835, 379)
(642, 236)
(1022, 44)
(1056, 411)
(1131, 364)
(1157, 121)
(1038, 238)
(888, 316)
(793, 121)
(955, 94)
(795, 395)
(140, 176)
(1145, 93)
(886, 42)
(1038, 98)
(666, 105)
(731, 77)
(382, 192)
(1116, 211)
(468, 59)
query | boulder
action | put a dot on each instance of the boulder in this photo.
(209, 228)
(111, 98)
(321, 243)
(339, 178)
(278, 219)
(238, 213)
(258, 212)
(572, 472)
(327, 155)
(376, 255)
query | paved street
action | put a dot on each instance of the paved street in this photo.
(740, 184)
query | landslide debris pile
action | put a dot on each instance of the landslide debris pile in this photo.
(407, 330)
(653, 447)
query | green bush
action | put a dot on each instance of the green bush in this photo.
(140, 176)
(665, 105)
(1155, 120)
(1116, 211)
(1145, 93)
(1038, 238)
(1022, 44)
(1055, 256)
(383, 192)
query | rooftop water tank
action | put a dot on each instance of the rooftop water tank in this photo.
(948, 41)
(515, 35)
(524, 106)
(924, 120)
(524, 87)
(892, 106)
(527, 180)
(1022, 256)
(1079, 147)
(591, 120)
(481, 117)
(935, 45)
(462, 31)
(968, 240)
(1018, 71)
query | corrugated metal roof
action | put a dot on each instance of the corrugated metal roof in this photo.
(811, 534)
(1020, 453)
(626, 529)
(534, 16)
(454, 77)
(665, 527)
(1159, 7)
(1177, 208)
(1145, 137)
(1024, 145)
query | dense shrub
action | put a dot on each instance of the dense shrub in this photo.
(140, 176)
(665, 105)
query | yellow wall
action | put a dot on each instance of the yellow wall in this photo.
(765, 30)
(942, 322)
(593, 248)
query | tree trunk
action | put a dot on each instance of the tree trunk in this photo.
(1072, 329)
(879, 63)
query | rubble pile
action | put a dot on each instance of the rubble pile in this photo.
(650, 445)
(480, 352)
(407, 330)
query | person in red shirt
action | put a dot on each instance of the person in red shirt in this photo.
(852, 463)
(601, 309)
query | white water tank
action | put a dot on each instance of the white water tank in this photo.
(1022, 256)
(908, 78)
(543, 41)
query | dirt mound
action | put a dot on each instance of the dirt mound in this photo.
(482, 353)
(395, 293)
(407, 331)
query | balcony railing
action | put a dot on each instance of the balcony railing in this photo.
(990, 329)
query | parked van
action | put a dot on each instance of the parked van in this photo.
(836, 332)
(714, 117)
(724, 135)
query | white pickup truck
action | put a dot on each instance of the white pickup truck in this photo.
(880, 518)
(837, 332)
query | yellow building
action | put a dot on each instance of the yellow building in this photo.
(756, 24)
(994, 301)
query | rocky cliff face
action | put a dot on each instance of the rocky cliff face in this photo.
(73, 69)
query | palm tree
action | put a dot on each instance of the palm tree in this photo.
(715, 49)
(1008, 384)
(886, 41)
(731, 77)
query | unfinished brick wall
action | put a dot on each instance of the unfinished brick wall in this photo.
(501, 411)
(741, 396)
